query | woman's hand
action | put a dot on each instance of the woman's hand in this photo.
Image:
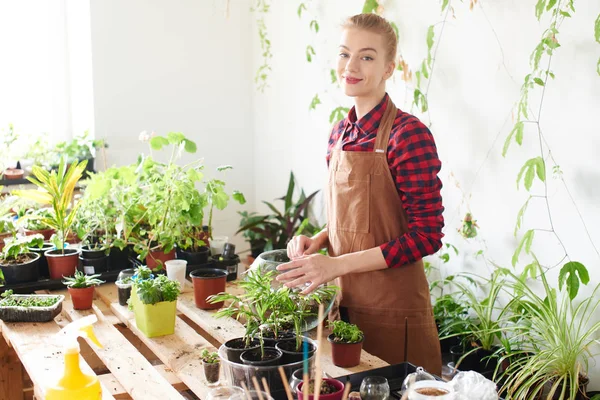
(315, 269)
(302, 246)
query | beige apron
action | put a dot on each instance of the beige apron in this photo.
(365, 211)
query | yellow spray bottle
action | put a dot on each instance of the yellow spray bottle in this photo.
(74, 384)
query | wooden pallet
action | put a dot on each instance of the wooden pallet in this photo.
(130, 365)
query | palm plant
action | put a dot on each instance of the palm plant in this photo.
(57, 190)
(558, 335)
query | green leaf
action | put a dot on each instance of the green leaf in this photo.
(519, 132)
(525, 241)
(175, 137)
(310, 51)
(598, 66)
(530, 168)
(540, 168)
(597, 29)
(520, 216)
(430, 34)
(370, 6)
(531, 270)
(224, 168)
(239, 197)
(572, 273)
(539, 8)
(445, 257)
(551, 4)
(565, 14)
(194, 175)
(444, 4)
(333, 75)
(538, 81)
(424, 71)
(314, 102)
(189, 146)
(220, 200)
(536, 56)
(301, 7)
(395, 28)
(314, 25)
(158, 142)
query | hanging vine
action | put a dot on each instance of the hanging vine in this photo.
(261, 8)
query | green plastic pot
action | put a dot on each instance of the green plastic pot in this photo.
(154, 319)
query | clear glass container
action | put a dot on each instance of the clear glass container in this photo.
(419, 375)
(374, 388)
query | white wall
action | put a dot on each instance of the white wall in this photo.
(177, 66)
(475, 84)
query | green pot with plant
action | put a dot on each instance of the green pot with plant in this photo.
(17, 263)
(81, 288)
(57, 189)
(154, 303)
(346, 343)
(211, 364)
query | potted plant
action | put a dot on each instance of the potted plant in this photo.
(80, 148)
(559, 337)
(346, 343)
(331, 389)
(7, 226)
(81, 288)
(17, 263)
(57, 189)
(32, 221)
(278, 228)
(29, 308)
(154, 303)
(211, 364)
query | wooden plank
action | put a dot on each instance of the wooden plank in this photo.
(132, 370)
(41, 354)
(117, 390)
(180, 351)
(11, 376)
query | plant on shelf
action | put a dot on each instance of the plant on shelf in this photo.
(559, 337)
(154, 302)
(80, 148)
(17, 262)
(346, 343)
(278, 228)
(344, 332)
(8, 300)
(57, 188)
(81, 287)
(211, 363)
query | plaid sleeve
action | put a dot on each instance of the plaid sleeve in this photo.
(415, 166)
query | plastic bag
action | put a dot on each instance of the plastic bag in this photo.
(470, 385)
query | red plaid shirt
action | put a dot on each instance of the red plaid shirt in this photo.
(414, 163)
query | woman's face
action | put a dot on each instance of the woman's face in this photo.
(362, 65)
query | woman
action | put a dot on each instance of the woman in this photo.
(384, 208)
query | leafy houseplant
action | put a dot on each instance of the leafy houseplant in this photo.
(278, 228)
(80, 148)
(17, 262)
(154, 302)
(211, 364)
(57, 190)
(346, 343)
(81, 288)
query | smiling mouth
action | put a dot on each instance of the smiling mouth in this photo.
(351, 80)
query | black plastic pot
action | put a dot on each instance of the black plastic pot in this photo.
(478, 360)
(93, 258)
(254, 357)
(18, 273)
(88, 253)
(194, 258)
(43, 272)
(229, 264)
(289, 352)
(235, 347)
(281, 337)
(257, 247)
(119, 259)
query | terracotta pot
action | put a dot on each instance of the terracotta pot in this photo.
(47, 233)
(332, 396)
(345, 355)
(154, 256)
(208, 281)
(13, 173)
(82, 298)
(60, 265)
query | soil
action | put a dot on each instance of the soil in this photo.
(326, 387)
(20, 259)
(255, 356)
(241, 344)
(431, 391)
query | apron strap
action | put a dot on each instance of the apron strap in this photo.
(385, 127)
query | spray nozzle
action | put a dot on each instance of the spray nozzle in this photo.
(82, 327)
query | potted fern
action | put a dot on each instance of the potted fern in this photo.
(56, 189)
(154, 302)
(81, 288)
(17, 262)
(211, 364)
(346, 343)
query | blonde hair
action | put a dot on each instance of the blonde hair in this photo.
(376, 24)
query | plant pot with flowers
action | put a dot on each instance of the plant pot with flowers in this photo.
(346, 343)
(211, 364)
(57, 189)
(154, 302)
(19, 264)
(81, 288)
